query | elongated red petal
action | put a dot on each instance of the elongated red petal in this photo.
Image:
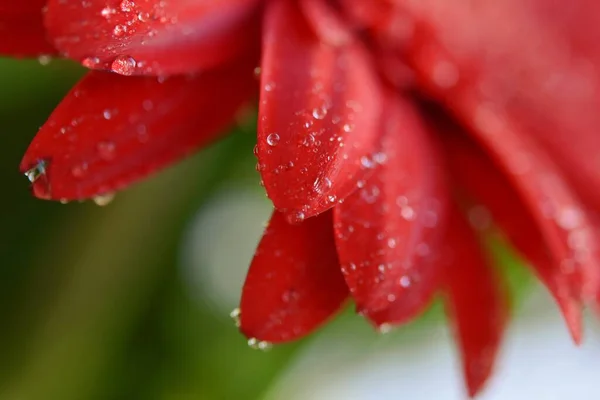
(561, 218)
(111, 130)
(318, 116)
(535, 76)
(473, 171)
(22, 30)
(490, 85)
(325, 22)
(294, 283)
(536, 61)
(388, 231)
(475, 303)
(149, 37)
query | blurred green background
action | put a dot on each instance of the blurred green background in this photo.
(131, 300)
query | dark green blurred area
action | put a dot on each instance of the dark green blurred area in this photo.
(92, 303)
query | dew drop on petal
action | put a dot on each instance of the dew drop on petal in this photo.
(36, 172)
(273, 139)
(107, 12)
(104, 199)
(236, 315)
(124, 65)
(319, 112)
(106, 150)
(44, 59)
(259, 344)
(119, 30)
(90, 62)
(404, 281)
(385, 328)
(366, 162)
(79, 170)
(127, 5)
(296, 217)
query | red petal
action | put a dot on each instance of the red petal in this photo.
(325, 22)
(387, 232)
(560, 216)
(536, 61)
(22, 31)
(366, 14)
(508, 85)
(475, 302)
(472, 170)
(294, 283)
(152, 37)
(111, 130)
(319, 112)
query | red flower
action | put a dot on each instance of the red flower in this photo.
(369, 174)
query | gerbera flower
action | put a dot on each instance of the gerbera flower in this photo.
(384, 128)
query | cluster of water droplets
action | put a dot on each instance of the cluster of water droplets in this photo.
(126, 22)
(39, 172)
(252, 342)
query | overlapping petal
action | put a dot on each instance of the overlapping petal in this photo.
(474, 173)
(22, 31)
(318, 115)
(294, 283)
(482, 81)
(326, 23)
(112, 130)
(388, 230)
(537, 62)
(475, 302)
(560, 216)
(149, 37)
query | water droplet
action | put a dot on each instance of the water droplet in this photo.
(143, 16)
(404, 281)
(90, 62)
(79, 170)
(36, 172)
(347, 128)
(380, 158)
(104, 199)
(124, 65)
(366, 162)
(319, 113)
(259, 344)
(270, 86)
(408, 213)
(392, 243)
(296, 217)
(107, 114)
(236, 315)
(148, 105)
(107, 12)
(385, 328)
(308, 140)
(44, 59)
(106, 150)
(127, 5)
(119, 30)
(322, 185)
(273, 139)
(569, 218)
